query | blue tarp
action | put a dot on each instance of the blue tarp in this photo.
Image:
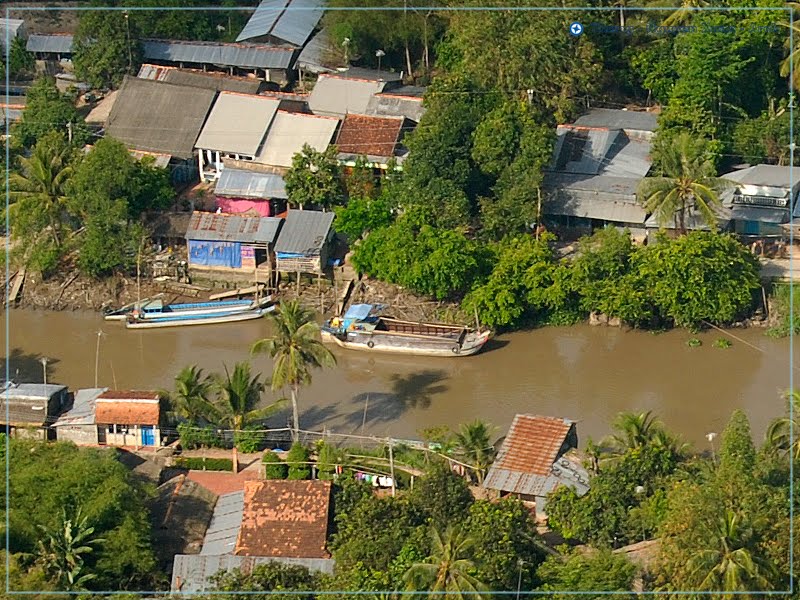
(215, 254)
(358, 312)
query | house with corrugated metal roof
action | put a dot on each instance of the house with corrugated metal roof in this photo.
(598, 163)
(232, 246)
(244, 187)
(405, 101)
(349, 91)
(270, 63)
(283, 22)
(162, 118)
(29, 409)
(50, 47)
(259, 525)
(77, 424)
(210, 80)
(764, 199)
(304, 244)
(235, 128)
(537, 456)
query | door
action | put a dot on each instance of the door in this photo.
(148, 435)
(751, 228)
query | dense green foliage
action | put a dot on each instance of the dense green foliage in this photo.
(46, 110)
(600, 572)
(274, 466)
(203, 464)
(106, 47)
(47, 478)
(298, 459)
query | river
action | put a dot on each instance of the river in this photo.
(584, 373)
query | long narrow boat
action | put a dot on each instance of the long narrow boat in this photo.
(204, 319)
(362, 328)
(156, 309)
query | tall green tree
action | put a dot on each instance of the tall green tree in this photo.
(687, 185)
(47, 109)
(601, 571)
(634, 430)
(239, 393)
(475, 446)
(40, 186)
(106, 47)
(448, 568)
(783, 434)
(190, 399)
(731, 563)
(62, 549)
(315, 178)
(295, 349)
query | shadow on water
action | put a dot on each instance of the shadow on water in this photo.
(27, 368)
(408, 392)
(494, 344)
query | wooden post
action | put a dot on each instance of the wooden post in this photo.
(298, 285)
(319, 291)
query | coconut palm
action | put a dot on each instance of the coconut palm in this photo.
(448, 567)
(683, 15)
(295, 349)
(791, 64)
(783, 434)
(190, 399)
(474, 445)
(688, 185)
(731, 564)
(239, 393)
(633, 431)
(40, 186)
(62, 549)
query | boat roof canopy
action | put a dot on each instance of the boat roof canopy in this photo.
(360, 312)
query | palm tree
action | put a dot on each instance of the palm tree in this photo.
(687, 186)
(633, 431)
(61, 551)
(683, 15)
(239, 393)
(447, 569)
(295, 349)
(783, 434)
(190, 399)
(791, 64)
(41, 184)
(731, 565)
(474, 446)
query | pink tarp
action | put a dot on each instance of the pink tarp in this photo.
(239, 205)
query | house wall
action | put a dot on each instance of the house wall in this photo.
(240, 205)
(28, 433)
(115, 435)
(82, 435)
(215, 254)
(757, 228)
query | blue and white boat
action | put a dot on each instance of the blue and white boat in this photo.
(254, 311)
(156, 308)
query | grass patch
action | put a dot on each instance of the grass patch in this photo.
(694, 343)
(722, 343)
(781, 311)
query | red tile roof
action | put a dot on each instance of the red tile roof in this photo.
(128, 395)
(533, 443)
(287, 519)
(127, 412)
(372, 136)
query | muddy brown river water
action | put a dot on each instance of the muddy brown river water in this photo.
(583, 373)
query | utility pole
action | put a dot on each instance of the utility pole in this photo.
(97, 357)
(43, 360)
(69, 131)
(128, 29)
(391, 465)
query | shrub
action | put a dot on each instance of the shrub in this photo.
(193, 437)
(274, 466)
(247, 441)
(204, 464)
(327, 458)
(298, 460)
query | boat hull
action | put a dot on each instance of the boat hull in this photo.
(187, 320)
(400, 345)
(200, 309)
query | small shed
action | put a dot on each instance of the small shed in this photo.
(32, 408)
(11, 29)
(232, 244)
(535, 459)
(53, 46)
(78, 423)
(243, 189)
(304, 243)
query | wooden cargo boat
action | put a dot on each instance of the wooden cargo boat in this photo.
(362, 328)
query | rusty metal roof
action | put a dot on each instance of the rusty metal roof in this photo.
(532, 458)
(233, 228)
(285, 519)
(370, 136)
